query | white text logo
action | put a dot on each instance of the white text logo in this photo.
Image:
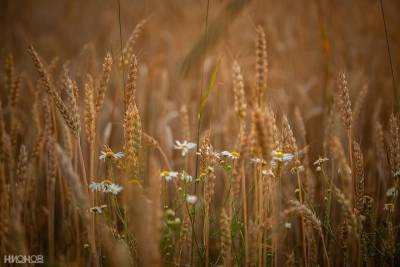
(21, 259)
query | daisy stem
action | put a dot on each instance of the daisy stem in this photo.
(191, 212)
(302, 220)
(245, 226)
(198, 129)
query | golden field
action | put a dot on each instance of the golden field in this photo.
(200, 133)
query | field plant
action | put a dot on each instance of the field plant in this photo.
(200, 133)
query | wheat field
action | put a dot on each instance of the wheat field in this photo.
(199, 133)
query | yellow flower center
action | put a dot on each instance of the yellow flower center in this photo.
(107, 181)
(279, 154)
(235, 154)
(109, 154)
(203, 174)
(165, 173)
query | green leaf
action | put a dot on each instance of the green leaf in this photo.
(209, 88)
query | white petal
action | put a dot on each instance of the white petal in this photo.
(192, 199)
(191, 145)
(226, 153)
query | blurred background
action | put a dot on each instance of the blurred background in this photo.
(308, 43)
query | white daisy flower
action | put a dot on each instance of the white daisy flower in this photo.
(191, 199)
(169, 175)
(97, 187)
(279, 156)
(392, 192)
(320, 161)
(231, 155)
(109, 154)
(257, 161)
(389, 207)
(185, 146)
(170, 212)
(288, 225)
(98, 209)
(105, 186)
(114, 188)
(268, 172)
(297, 169)
(186, 177)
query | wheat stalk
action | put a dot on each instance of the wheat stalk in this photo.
(105, 78)
(69, 117)
(261, 66)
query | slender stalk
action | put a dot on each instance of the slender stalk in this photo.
(325, 250)
(50, 207)
(206, 233)
(86, 185)
(395, 93)
(353, 180)
(82, 162)
(92, 161)
(191, 217)
(164, 157)
(92, 195)
(245, 221)
(120, 43)
(303, 236)
(198, 132)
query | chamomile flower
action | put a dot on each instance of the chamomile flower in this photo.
(105, 186)
(288, 225)
(109, 154)
(185, 146)
(97, 187)
(268, 172)
(392, 192)
(169, 175)
(191, 199)
(114, 188)
(297, 169)
(257, 161)
(98, 209)
(170, 213)
(207, 171)
(174, 221)
(186, 177)
(320, 161)
(389, 207)
(232, 155)
(279, 156)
